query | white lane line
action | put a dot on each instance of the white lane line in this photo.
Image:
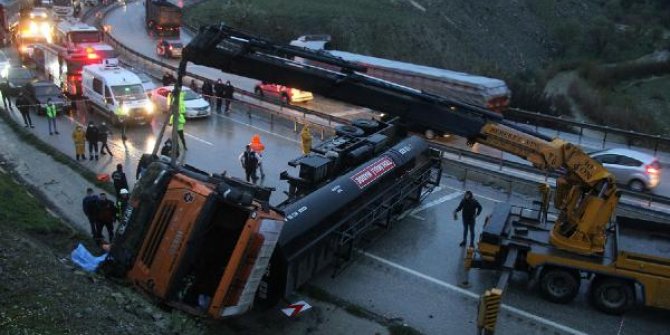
(437, 201)
(473, 295)
(475, 195)
(258, 128)
(198, 139)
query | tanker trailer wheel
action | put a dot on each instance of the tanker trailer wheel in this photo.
(612, 295)
(559, 285)
(349, 131)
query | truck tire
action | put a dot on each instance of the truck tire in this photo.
(349, 131)
(559, 285)
(612, 295)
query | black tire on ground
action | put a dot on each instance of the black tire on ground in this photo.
(349, 131)
(559, 285)
(366, 124)
(636, 185)
(612, 295)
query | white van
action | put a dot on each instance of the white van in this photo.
(108, 87)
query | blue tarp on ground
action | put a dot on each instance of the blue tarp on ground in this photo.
(85, 260)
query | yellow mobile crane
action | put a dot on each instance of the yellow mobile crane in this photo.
(579, 242)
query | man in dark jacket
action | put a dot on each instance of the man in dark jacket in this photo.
(119, 179)
(92, 136)
(24, 107)
(89, 205)
(4, 90)
(471, 210)
(249, 160)
(103, 133)
(218, 92)
(228, 91)
(208, 92)
(106, 211)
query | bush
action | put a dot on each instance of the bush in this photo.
(607, 76)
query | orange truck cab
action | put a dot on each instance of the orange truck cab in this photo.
(196, 242)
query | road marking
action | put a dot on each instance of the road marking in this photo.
(436, 202)
(198, 139)
(475, 194)
(258, 128)
(473, 295)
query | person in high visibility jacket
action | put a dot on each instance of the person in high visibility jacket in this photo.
(306, 139)
(182, 105)
(51, 117)
(181, 121)
(258, 147)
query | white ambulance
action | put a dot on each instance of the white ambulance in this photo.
(110, 88)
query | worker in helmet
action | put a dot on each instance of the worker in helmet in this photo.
(258, 147)
(122, 203)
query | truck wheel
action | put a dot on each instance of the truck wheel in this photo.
(349, 131)
(612, 295)
(559, 285)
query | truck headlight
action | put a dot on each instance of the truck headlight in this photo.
(124, 110)
(149, 107)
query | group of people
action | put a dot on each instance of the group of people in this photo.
(214, 93)
(102, 212)
(24, 106)
(92, 135)
(251, 159)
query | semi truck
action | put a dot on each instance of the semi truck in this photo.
(485, 92)
(163, 18)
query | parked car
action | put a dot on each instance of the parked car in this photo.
(38, 93)
(284, 93)
(638, 170)
(169, 48)
(17, 78)
(196, 105)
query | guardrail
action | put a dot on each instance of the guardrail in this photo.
(160, 67)
(657, 143)
(648, 199)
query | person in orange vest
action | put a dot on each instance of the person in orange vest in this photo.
(258, 147)
(306, 139)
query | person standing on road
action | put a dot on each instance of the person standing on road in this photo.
(119, 179)
(471, 210)
(51, 112)
(306, 139)
(92, 134)
(103, 133)
(249, 161)
(90, 206)
(208, 92)
(181, 121)
(122, 204)
(79, 139)
(258, 147)
(24, 107)
(219, 89)
(106, 211)
(228, 91)
(194, 86)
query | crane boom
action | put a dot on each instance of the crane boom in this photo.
(586, 194)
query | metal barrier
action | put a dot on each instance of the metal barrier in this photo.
(643, 199)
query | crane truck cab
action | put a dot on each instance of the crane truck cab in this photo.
(110, 88)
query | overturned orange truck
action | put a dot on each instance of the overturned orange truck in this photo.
(197, 242)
